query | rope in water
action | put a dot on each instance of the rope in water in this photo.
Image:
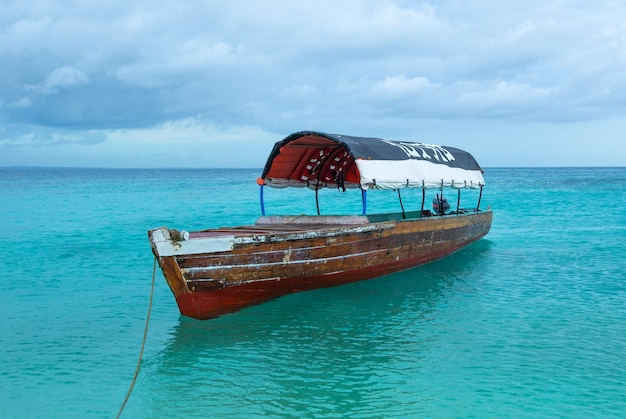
(143, 344)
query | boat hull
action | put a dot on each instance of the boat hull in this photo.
(220, 271)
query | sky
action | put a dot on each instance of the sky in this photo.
(138, 83)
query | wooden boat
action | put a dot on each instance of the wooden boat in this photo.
(217, 271)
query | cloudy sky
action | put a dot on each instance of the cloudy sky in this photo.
(139, 83)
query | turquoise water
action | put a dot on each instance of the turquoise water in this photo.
(528, 322)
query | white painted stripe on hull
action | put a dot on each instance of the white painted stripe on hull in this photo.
(165, 246)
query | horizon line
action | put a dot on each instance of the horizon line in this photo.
(18, 167)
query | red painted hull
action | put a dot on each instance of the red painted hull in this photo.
(257, 272)
(206, 305)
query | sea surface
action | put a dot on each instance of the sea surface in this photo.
(528, 322)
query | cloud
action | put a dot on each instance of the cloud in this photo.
(400, 85)
(30, 137)
(24, 102)
(60, 78)
(369, 67)
(65, 77)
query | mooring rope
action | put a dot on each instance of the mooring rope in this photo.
(143, 343)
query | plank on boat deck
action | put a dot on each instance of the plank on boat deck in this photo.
(264, 229)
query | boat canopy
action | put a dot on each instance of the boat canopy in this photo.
(317, 160)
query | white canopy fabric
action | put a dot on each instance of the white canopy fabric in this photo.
(386, 174)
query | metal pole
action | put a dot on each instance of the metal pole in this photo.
(479, 198)
(317, 202)
(441, 210)
(423, 199)
(401, 206)
(364, 199)
(261, 199)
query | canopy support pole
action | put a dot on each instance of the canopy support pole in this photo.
(262, 201)
(441, 211)
(480, 195)
(401, 205)
(322, 162)
(364, 199)
(423, 199)
(317, 202)
(458, 201)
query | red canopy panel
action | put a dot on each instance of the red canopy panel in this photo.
(313, 161)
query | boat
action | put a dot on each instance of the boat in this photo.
(222, 270)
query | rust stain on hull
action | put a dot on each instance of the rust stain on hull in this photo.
(274, 260)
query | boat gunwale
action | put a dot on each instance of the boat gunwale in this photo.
(279, 230)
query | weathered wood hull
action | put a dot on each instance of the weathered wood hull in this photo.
(219, 271)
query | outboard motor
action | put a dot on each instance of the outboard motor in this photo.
(440, 205)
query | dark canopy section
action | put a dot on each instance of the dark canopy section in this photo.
(317, 159)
